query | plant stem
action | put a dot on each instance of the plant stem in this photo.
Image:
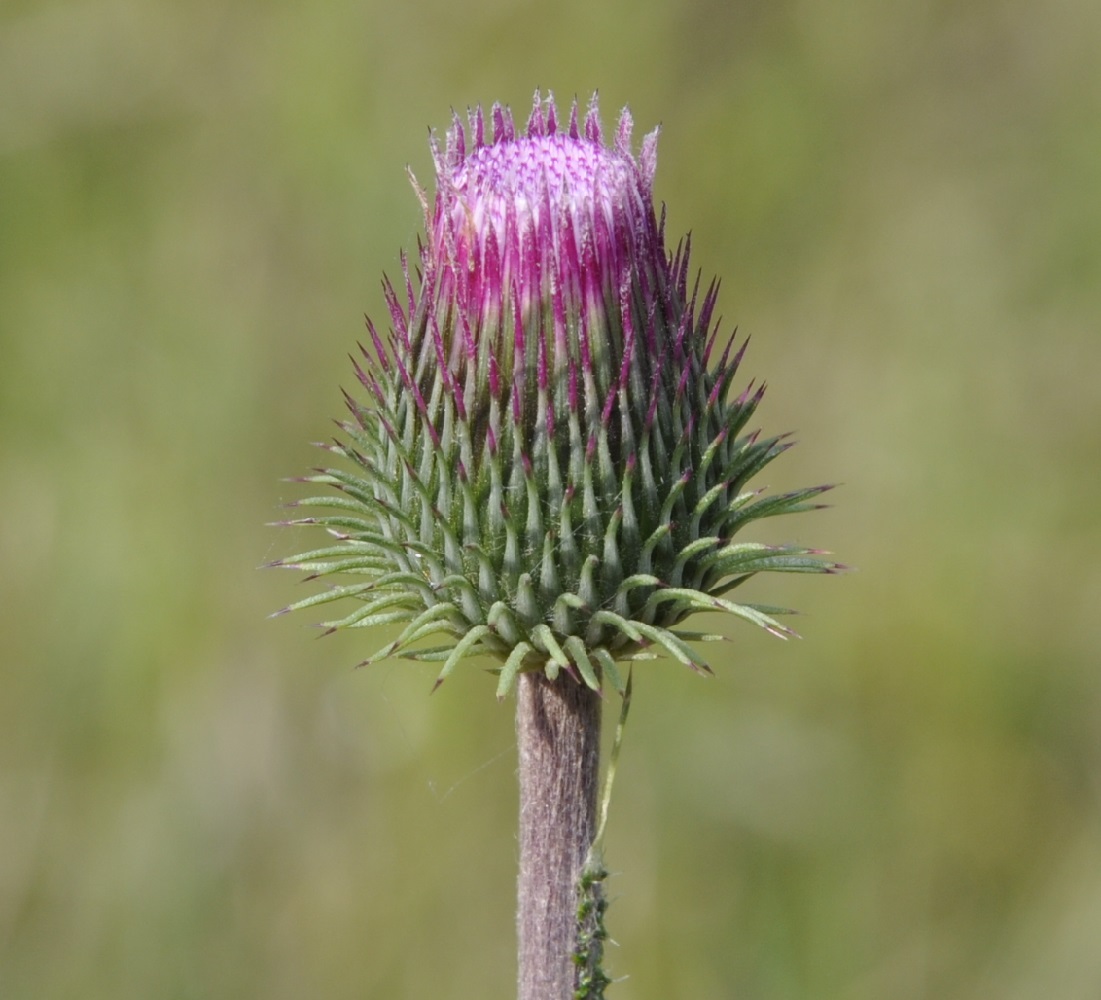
(558, 738)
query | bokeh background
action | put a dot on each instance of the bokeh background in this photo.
(197, 203)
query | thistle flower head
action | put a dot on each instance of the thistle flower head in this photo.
(550, 470)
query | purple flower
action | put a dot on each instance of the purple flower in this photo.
(550, 472)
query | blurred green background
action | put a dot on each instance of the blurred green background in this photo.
(197, 203)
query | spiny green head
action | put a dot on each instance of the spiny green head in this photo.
(549, 468)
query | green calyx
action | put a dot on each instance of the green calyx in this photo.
(602, 575)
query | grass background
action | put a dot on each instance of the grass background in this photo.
(197, 202)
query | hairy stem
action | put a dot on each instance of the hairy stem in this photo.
(558, 737)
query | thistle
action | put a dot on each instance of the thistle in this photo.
(550, 467)
(550, 472)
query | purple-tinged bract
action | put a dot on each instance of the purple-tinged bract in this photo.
(548, 470)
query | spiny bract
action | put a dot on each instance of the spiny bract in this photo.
(549, 471)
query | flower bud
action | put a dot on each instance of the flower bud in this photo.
(550, 470)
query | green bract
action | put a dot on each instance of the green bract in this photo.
(549, 470)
